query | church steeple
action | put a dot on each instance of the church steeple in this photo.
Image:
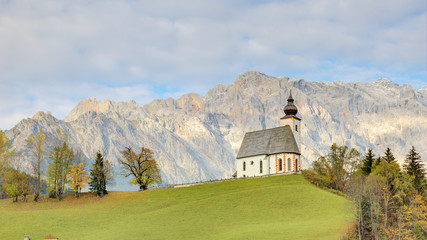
(290, 109)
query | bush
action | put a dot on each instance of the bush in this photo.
(315, 178)
(319, 181)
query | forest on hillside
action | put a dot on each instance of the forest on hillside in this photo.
(389, 200)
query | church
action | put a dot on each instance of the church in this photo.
(274, 150)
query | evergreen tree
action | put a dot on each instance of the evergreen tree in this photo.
(389, 157)
(101, 175)
(415, 167)
(376, 162)
(368, 162)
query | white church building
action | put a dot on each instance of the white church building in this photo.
(274, 150)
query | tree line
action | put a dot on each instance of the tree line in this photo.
(56, 168)
(389, 200)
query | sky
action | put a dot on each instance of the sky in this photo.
(54, 54)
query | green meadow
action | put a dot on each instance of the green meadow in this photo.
(276, 207)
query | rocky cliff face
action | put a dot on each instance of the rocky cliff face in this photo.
(196, 138)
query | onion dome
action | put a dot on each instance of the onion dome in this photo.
(290, 109)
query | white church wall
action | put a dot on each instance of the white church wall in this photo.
(252, 166)
(272, 164)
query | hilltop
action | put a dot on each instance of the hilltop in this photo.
(275, 207)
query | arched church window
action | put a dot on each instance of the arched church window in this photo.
(289, 164)
(280, 164)
(244, 166)
(260, 166)
(296, 128)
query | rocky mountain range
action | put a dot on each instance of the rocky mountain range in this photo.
(196, 138)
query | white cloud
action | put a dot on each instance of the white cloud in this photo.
(55, 53)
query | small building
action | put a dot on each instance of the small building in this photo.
(274, 150)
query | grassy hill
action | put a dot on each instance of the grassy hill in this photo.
(277, 207)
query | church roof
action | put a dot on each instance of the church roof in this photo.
(268, 141)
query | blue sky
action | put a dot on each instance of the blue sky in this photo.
(55, 53)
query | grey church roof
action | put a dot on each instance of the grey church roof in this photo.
(268, 141)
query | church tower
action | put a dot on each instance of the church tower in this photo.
(291, 119)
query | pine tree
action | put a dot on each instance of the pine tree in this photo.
(367, 163)
(415, 167)
(101, 175)
(389, 157)
(376, 162)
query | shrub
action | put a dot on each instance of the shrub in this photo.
(319, 181)
(315, 178)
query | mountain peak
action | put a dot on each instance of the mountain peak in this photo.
(191, 102)
(89, 104)
(383, 80)
(250, 78)
(42, 115)
(386, 82)
(251, 75)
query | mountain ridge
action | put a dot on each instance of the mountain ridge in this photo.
(196, 138)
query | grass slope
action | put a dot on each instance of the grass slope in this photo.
(277, 207)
